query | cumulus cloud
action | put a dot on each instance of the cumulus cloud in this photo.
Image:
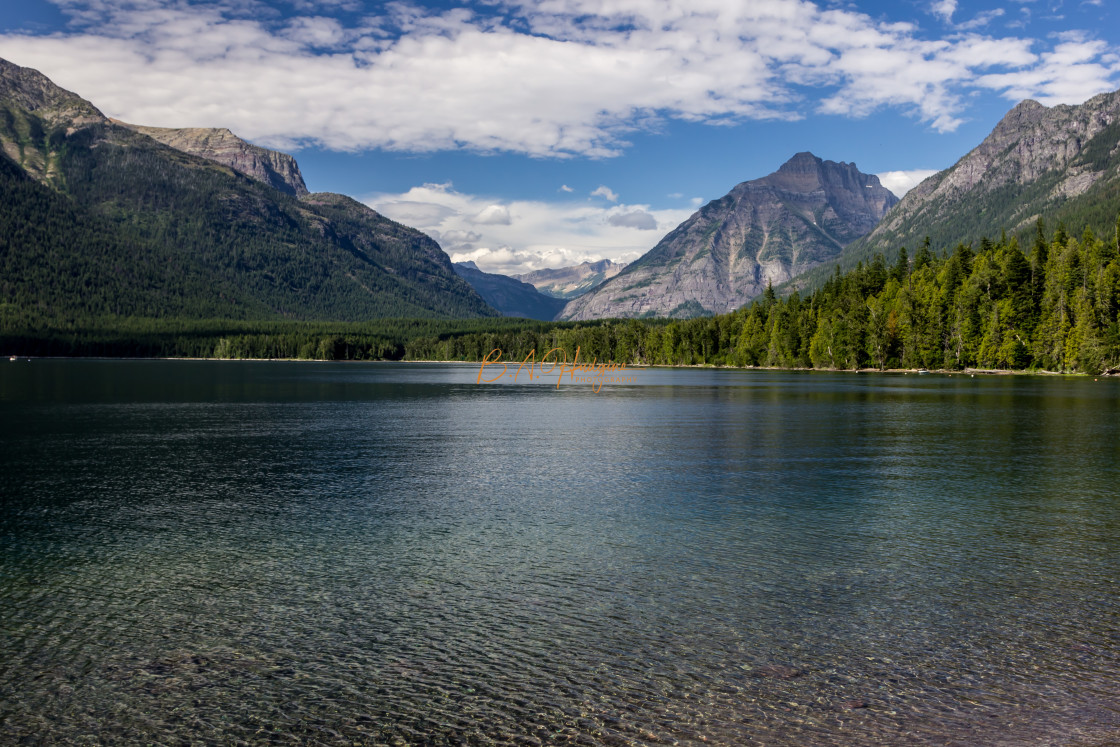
(316, 32)
(981, 19)
(639, 219)
(606, 193)
(1069, 74)
(944, 9)
(542, 235)
(460, 236)
(505, 260)
(492, 215)
(455, 241)
(416, 213)
(901, 182)
(350, 5)
(559, 78)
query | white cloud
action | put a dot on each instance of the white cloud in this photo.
(891, 75)
(316, 32)
(554, 78)
(944, 9)
(460, 236)
(566, 188)
(605, 192)
(351, 5)
(1074, 71)
(417, 213)
(639, 219)
(492, 215)
(901, 182)
(981, 20)
(539, 235)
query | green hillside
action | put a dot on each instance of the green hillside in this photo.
(98, 219)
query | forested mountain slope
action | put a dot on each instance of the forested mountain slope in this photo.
(1061, 164)
(101, 219)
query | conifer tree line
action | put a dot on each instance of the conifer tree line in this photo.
(1053, 305)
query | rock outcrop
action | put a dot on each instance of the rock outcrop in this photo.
(30, 104)
(278, 170)
(34, 92)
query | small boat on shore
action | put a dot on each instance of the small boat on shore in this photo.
(922, 372)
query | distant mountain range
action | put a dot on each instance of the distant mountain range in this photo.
(103, 219)
(1058, 164)
(570, 282)
(508, 295)
(764, 231)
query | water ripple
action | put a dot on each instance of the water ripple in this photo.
(365, 554)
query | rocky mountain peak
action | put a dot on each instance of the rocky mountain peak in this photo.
(1035, 160)
(802, 173)
(807, 173)
(36, 93)
(1025, 115)
(218, 144)
(764, 231)
(800, 163)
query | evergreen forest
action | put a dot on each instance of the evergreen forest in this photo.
(1053, 306)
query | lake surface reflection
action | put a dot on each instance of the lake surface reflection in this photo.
(394, 553)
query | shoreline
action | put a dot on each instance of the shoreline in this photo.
(972, 372)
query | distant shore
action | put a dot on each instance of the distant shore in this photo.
(897, 371)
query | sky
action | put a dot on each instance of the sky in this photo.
(528, 134)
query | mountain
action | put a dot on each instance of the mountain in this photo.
(1061, 163)
(509, 296)
(101, 219)
(278, 170)
(764, 231)
(570, 282)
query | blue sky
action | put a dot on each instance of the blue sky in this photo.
(539, 134)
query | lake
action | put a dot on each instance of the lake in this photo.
(391, 553)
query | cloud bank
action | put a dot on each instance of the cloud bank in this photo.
(576, 231)
(551, 78)
(901, 182)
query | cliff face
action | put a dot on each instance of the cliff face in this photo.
(278, 170)
(764, 231)
(26, 91)
(1036, 161)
